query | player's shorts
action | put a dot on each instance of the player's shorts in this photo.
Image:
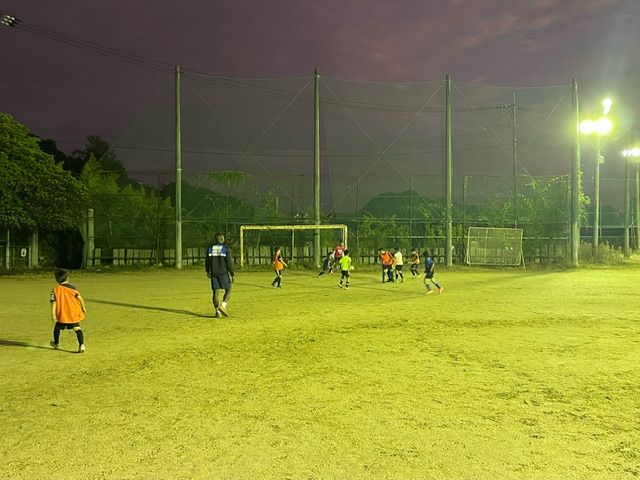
(220, 283)
(67, 326)
(345, 273)
(398, 267)
(428, 274)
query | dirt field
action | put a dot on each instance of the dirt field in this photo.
(506, 375)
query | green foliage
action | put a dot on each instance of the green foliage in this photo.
(35, 192)
(128, 216)
(604, 254)
(102, 152)
(223, 179)
(374, 233)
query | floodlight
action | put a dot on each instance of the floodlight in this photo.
(587, 127)
(8, 20)
(603, 126)
(631, 152)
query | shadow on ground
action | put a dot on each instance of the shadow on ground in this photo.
(148, 307)
(19, 343)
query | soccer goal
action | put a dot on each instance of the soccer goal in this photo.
(296, 241)
(494, 246)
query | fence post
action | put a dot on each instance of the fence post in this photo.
(89, 261)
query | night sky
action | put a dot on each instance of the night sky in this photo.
(65, 93)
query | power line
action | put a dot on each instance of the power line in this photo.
(132, 58)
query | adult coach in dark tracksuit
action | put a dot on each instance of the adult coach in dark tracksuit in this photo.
(219, 267)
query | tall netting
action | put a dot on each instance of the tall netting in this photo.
(512, 153)
(248, 158)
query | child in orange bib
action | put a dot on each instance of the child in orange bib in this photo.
(67, 309)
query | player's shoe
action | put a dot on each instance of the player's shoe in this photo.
(340, 285)
(223, 309)
(347, 287)
(429, 292)
(81, 349)
(217, 314)
(440, 289)
(54, 345)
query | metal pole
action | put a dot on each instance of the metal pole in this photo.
(575, 180)
(637, 219)
(411, 209)
(515, 162)
(448, 250)
(316, 166)
(157, 256)
(241, 246)
(178, 175)
(627, 172)
(596, 199)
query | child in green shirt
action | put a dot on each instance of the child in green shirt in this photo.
(345, 267)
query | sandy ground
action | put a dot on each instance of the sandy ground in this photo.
(506, 375)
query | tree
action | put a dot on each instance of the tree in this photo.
(35, 192)
(129, 216)
(104, 155)
(71, 164)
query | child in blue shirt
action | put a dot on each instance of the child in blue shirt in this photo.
(429, 271)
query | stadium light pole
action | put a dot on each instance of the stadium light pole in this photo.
(7, 20)
(631, 155)
(600, 127)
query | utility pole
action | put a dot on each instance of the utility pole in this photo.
(513, 106)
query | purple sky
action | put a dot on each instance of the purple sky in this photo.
(65, 93)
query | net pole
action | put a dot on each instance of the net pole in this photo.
(241, 246)
(637, 219)
(448, 249)
(178, 174)
(316, 166)
(575, 178)
(627, 173)
(514, 108)
(596, 197)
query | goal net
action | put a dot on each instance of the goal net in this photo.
(296, 241)
(494, 246)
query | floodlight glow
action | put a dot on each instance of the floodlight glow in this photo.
(587, 127)
(606, 105)
(602, 126)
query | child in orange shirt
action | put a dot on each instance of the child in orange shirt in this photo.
(278, 266)
(67, 309)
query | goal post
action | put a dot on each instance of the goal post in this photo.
(494, 246)
(343, 229)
